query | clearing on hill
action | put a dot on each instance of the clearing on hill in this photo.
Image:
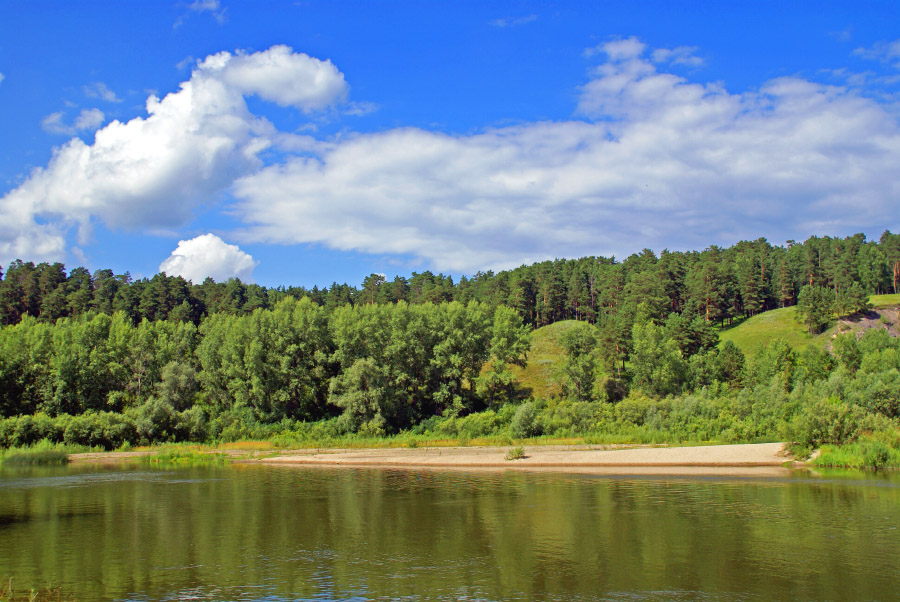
(785, 324)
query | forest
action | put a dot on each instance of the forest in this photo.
(104, 360)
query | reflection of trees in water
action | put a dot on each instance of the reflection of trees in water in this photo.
(382, 533)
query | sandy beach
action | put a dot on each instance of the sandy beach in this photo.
(758, 459)
(743, 459)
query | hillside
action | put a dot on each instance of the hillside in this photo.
(785, 324)
(543, 373)
(781, 323)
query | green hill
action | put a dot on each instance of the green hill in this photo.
(543, 373)
(781, 323)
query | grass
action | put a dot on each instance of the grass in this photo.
(543, 373)
(185, 457)
(785, 324)
(782, 323)
(35, 458)
(42, 453)
(878, 451)
(515, 453)
(882, 301)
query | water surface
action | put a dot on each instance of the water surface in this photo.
(251, 532)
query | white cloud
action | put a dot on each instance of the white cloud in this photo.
(653, 160)
(2, 77)
(88, 119)
(618, 49)
(212, 7)
(101, 91)
(281, 76)
(681, 55)
(888, 52)
(53, 123)
(505, 22)
(657, 161)
(153, 171)
(208, 255)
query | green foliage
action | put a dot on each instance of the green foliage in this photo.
(524, 423)
(34, 457)
(875, 451)
(816, 305)
(101, 361)
(510, 343)
(657, 365)
(184, 457)
(826, 421)
(813, 364)
(846, 350)
(773, 360)
(515, 453)
(276, 363)
(850, 300)
(580, 344)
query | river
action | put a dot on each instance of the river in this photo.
(252, 532)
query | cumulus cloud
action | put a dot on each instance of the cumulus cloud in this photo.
(154, 171)
(655, 161)
(88, 119)
(208, 256)
(651, 159)
(281, 76)
(1, 77)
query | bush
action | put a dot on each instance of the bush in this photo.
(524, 423)
(875, 453)
(562, 417)
(101, 429)
(515, 453)
(826, 421)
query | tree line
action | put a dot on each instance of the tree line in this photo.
(718, 284)
(376, 368)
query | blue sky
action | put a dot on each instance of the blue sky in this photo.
(307, 142)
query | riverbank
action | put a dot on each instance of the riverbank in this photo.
(742, 459)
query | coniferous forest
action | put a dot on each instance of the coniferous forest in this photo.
(104, 360)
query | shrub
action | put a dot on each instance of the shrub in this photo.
(515, 453)
(826, 421)
(875, 453)
(100, 429)
(524, 423)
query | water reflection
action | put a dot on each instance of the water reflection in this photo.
(250, 532)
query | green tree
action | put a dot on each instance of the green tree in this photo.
(816, 307)
(510, 342)
(851, 300)
(580, 344)
(657, 366)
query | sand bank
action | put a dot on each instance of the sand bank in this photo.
(744, 459)
(758, 459)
